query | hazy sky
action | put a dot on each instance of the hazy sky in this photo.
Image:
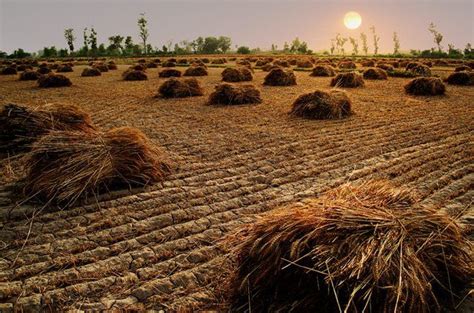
(33, 24)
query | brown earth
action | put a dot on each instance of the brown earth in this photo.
(156, 248)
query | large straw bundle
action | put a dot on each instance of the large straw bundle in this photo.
(348, 80)
(228, 94)
(239, 74)
(65, 166)
(176, 88)
(358, 248)
(54, 80)
(425, 86)
(334, 104)
(21, 126)
(280, 77)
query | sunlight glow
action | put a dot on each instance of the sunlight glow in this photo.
(352, 20)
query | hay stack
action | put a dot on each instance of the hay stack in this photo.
(91, 71)
(54, 80)
(323, 70)
(111, 66)
(334, 104)
(425, 86)
(281, 63)
(461, 78)
(368, 63)
(21, 126)
(280, 77)
(228, 94)
(8, 70)
(168, 64)
(269, 66)
(175, 88)
(169, 72)
(65, 166)
(64, 68)
(196, 71)
(102, 67)
(151, 65)
(347, 65)
(367, 247)
(218, 61)
(418, 69)
(239, 74)
(138, 67)
(30, 75)
(386, 67)
(133, 75)
(304, 64)
(375, 73)
(44, 70)
(348, 80)
(462, 68)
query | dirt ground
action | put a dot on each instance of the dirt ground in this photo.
(157, 248)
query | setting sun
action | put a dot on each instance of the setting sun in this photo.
(352, 20)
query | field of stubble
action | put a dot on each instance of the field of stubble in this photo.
(156, 248)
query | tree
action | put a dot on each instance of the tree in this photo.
(396, 43)
(333, 47)
(18, 54)
(115, 46)
(243, 50)
(340, 42)
(210, 45)
(376, 39)
(437, 36)
(355, 46)
(365, 47)
(93, 40)
(142, 25)
(286, 47)
(3, 55)
(128, 49)
(298, 46)
(49, 52)
(69, 35)
(224, 43)
(274, 47)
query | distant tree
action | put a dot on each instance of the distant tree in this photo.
(62, 53)
(169, 43)
(128, 48)
(115, 44)
(164, 49)
(186, 46)
(274, 47)
(333, 47)
(286, 47)
(243, 50)
(396, 43)
(468, 49)
(93, 40)
(70, 38)
(101, 50)
(3, 55)
(84, 38)
(224, 43)
(365, 47)
(49, 52)
(437, 36)
(376, 39)
(142, 26)
(453, 52)
(198, 45)
(298, 46)
(210, 45)
(355, 45)
(340, 42)
(19, 54)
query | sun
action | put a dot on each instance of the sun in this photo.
(352, 20)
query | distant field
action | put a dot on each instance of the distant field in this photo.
(157, 247)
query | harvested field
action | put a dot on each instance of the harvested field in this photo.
(157, 248)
